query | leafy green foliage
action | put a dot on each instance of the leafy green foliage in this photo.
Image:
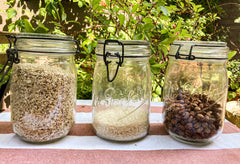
(11, 12)
(231, 54)
(233, 68)
(84, 80)
(3, 47)
(158, 21)
(6, 77)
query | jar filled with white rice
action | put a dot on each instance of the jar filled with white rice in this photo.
(121, 90)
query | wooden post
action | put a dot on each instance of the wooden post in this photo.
(3, 58)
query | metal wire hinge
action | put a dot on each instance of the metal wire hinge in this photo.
(12, 55)
(190, 56)
(108, 54)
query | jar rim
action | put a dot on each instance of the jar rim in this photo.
(217, 43)
(199, 50)
(38, 43)
(125, 48)
(127, 42)
(25, 35)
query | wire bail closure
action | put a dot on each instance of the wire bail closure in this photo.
(190, 56)
(12, 53)
(108, 54)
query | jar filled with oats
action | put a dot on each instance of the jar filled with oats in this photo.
(43, 86)
(195, 91)
(121, 90)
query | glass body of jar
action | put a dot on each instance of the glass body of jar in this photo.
(121, 90)
(195, 91)
(43, 87)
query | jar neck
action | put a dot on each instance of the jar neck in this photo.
(42, 44)
(199, 50)
(212, 61)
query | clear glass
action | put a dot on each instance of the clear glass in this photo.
(43, 88)
(195, 92)
(121, 108)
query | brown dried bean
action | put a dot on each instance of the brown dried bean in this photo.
(197, 125)
(197, 108)
(200, 117)
(193, 116)
(201, 106)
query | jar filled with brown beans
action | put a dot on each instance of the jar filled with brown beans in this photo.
(195, 91)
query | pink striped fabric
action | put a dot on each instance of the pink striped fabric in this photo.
(83, 146)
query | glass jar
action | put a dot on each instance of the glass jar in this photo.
(195, 91)
(121, 90)
(43, 86)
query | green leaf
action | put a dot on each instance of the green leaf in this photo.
(164, 10)
(135, 7)
(80, 4)
(158, 90)
(95, 4)
(138, 36)
(55, 23)
(156, 68)
(11, 12)
(164, 49)
(200, 9)
(152, 60)
(234, 86)
(231, 54)
(121, 18)
(182, 4)
(41, 29)
(64, 16)
(54, 14)
(164, 31)
(28, 26)
(231, 95)
(11, 27)
(147, 20)
(238, 90)
(40, 4)
(27, 12)
(91, 46)
(168, 41)
(159, 65)
(148, 26)
(57, 31)
(42, 12)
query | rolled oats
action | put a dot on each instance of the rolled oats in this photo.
(42, 102)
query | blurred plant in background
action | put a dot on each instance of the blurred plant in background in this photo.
(158, 21)
(233, 70)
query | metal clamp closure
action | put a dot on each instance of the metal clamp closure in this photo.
(189, 57)
(12, 55)
(108, 54)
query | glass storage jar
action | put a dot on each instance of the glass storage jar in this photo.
(195, 91)
(43, 86)
(121, 90)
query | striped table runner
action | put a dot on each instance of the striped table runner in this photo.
(83, 146)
